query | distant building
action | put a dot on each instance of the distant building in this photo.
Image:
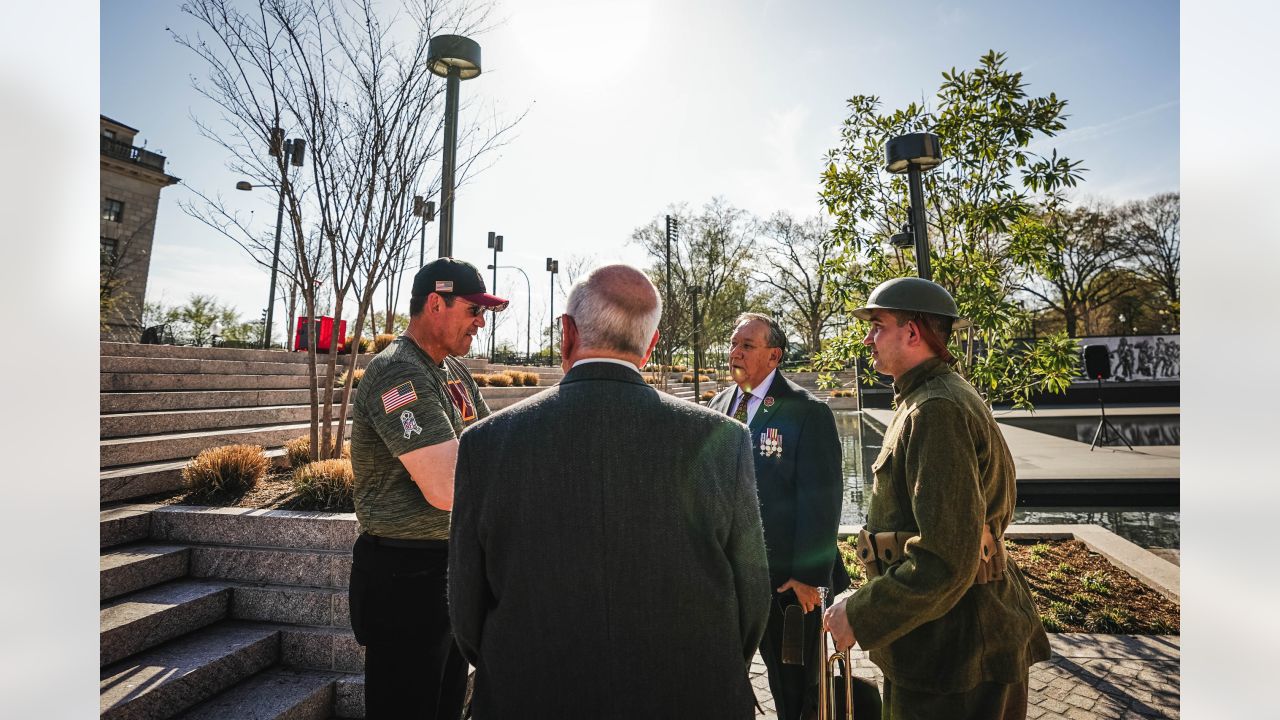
(131, 181)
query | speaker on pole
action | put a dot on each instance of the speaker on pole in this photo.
(1097, 362)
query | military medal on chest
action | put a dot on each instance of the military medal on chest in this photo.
(770, 442)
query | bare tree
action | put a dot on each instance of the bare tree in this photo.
(711, 255)
(355, 86)
(1152, 228)
(1081, 252)
(797, 257)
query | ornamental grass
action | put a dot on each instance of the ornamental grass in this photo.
(298, 451)
(325, 484)
(482, 380)
(381, 341)
(225, 470)
(499, 380)
(355, 378)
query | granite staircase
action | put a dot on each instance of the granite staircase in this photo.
(226, 613)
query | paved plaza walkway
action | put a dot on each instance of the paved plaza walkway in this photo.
(1089, 676)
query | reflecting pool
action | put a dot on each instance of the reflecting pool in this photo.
(860, 440)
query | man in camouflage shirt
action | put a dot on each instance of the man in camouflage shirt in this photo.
(414, 401)
(945, 614)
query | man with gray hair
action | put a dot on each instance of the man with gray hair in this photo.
(606, 553)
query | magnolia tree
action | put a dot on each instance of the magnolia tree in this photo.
(990, 180)
(351, 80)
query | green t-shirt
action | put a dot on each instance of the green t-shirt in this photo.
(406, 402)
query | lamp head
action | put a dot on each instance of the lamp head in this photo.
(919, 149)
(446, 51)
(244, 185)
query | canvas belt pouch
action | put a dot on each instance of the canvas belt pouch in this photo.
(877, 552)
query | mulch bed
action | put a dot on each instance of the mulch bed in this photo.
(1078, 590)
(274, 492)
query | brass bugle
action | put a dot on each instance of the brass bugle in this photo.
(828, 698)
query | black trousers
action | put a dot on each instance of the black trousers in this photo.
(400, 614)
(794, 687)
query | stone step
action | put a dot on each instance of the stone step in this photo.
(137, 481)
(185, 366)
(161, 382)
(292, 529)
(133, 567)
(117, 452)
(147, 618)
(273, 694)
(170, 678)
(131, 402)
(125, 524)
(273, 566)
(178, 421)
(321, 648)
(290, 605)
(114, 349)
(348, 697)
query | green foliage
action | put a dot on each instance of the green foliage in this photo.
(1095, 582)
(990, 179)
(194, 322)
(226, 469)
(1050, 622)
(1109, 619)
(828, 381)
(1038, 550)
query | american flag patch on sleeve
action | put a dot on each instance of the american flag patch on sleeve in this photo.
(398, 396)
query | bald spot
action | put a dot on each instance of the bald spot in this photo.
(625, 287)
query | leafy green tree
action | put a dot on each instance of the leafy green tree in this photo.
(989, 180)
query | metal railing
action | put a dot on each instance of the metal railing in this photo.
(125, 151)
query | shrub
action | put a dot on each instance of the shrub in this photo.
(355, 378)
(1095, 582)
(1039, 550)
(688, 378)
(1065, 612)
(326, 484)
(226, 469)
(298, 450)
(381, 342)
(708, 371)
(1110, 620)
(499, 380)
(1051, 623)
(652, 379)
(366, 344)
(708, 395)
(481, 379)
(531, 379)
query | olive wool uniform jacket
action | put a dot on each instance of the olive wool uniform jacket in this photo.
(800, 488)
(606, 558)
(943, 471)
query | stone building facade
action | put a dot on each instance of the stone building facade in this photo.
(130, 185)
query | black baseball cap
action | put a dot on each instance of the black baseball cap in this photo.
(448, 276)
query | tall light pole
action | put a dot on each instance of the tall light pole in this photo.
(454, 58)
(425, 209)
(495, 242)
(528, 305)
(914, 154)
(291, 152)
(553, 267)
(673, 234)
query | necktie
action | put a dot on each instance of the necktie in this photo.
(741, 413)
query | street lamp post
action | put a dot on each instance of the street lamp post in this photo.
(454, 58)
(495, 242)
(553, 267)
(528, 305)
(425, 209)
(291, 152)
(914, 154)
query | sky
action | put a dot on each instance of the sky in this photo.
(635, 106)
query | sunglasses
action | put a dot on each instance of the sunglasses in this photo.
(474, 309)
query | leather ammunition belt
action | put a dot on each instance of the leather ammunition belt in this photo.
(877, 552)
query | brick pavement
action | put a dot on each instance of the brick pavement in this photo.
(1089, 676)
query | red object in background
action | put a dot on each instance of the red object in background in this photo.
(324, 334)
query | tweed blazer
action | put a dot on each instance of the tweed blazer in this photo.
(801, 486)
(606, 558)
